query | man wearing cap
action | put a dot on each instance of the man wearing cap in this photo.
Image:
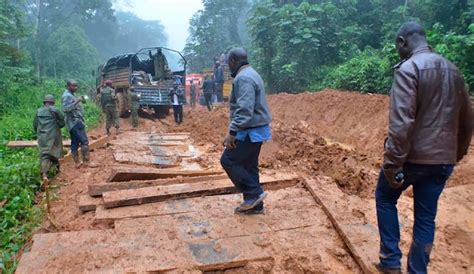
(75, 123)
(47, 124)
(108, 101)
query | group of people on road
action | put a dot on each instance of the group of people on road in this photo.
(430, 130)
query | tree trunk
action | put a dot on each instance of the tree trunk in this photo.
(37, 40)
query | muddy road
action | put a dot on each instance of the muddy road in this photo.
(320, 170)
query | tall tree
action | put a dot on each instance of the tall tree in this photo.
(216, 28)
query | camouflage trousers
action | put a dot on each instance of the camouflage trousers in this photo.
(134, 117)
(111, 117)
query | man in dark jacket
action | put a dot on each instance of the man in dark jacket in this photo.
(430, 129)
(249, 127)
(47, 124)
(219, 81)
(208, 91)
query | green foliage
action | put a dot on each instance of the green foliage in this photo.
(367, 72)
(300, 45)
(123, 33)
(215, 29)
(457, 48)
(299, 38)
(19, 169)
(70, 54)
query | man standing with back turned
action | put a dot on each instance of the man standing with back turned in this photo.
(249, 127)
(108, 101)
(430, 129)
(47, 124)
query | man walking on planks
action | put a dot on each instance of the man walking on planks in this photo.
(430, 129)
(249, 127)
(47, 124)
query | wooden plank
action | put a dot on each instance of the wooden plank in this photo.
(171, 207)
(221, 206)
(122, 157)
(328, 195)
(355, 221)
(31, 143)
(215, 255)
(137, 250)
(88, 203)
(95, 144)
(104, 251)
(98, 189)
(129, 174)
(179, 191)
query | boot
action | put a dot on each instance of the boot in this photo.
(107, 132)
(117, 131)
(75, 157)
(86, 157)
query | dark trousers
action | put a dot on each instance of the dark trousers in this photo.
(78, 137)
(219, 91)
(178, 113)
(208, 99)
(428, 182)
(241, 165)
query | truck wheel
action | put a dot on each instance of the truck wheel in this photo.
(122, 105)
(161, 111)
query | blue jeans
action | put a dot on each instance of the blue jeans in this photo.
(428, 182)
(241, 165)
(78, 137)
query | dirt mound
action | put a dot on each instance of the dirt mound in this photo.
(299, 147)
(299, 122)
(355, 119)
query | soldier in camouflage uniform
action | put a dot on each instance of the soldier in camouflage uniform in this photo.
(47, 124)
(109, 107)
(134, 99)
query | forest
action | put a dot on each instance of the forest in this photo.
(296, 46)
(310, 45)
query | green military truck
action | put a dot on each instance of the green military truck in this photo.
(151, 73)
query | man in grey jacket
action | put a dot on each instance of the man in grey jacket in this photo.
(75, 123)
(429, 131)
(249, 127)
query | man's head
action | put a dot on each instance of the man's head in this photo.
(410, 36)
(191, 82)
(108, 83)
(206, 77)
(71, 85)
(48, 100)
(237, 57)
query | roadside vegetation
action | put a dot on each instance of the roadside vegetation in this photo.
(19, 168)
(310, 45)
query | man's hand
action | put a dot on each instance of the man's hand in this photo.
(229, 142)
(394, 176)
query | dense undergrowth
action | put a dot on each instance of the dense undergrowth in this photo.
(19, 168)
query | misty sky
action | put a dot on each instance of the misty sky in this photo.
(173, 14)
